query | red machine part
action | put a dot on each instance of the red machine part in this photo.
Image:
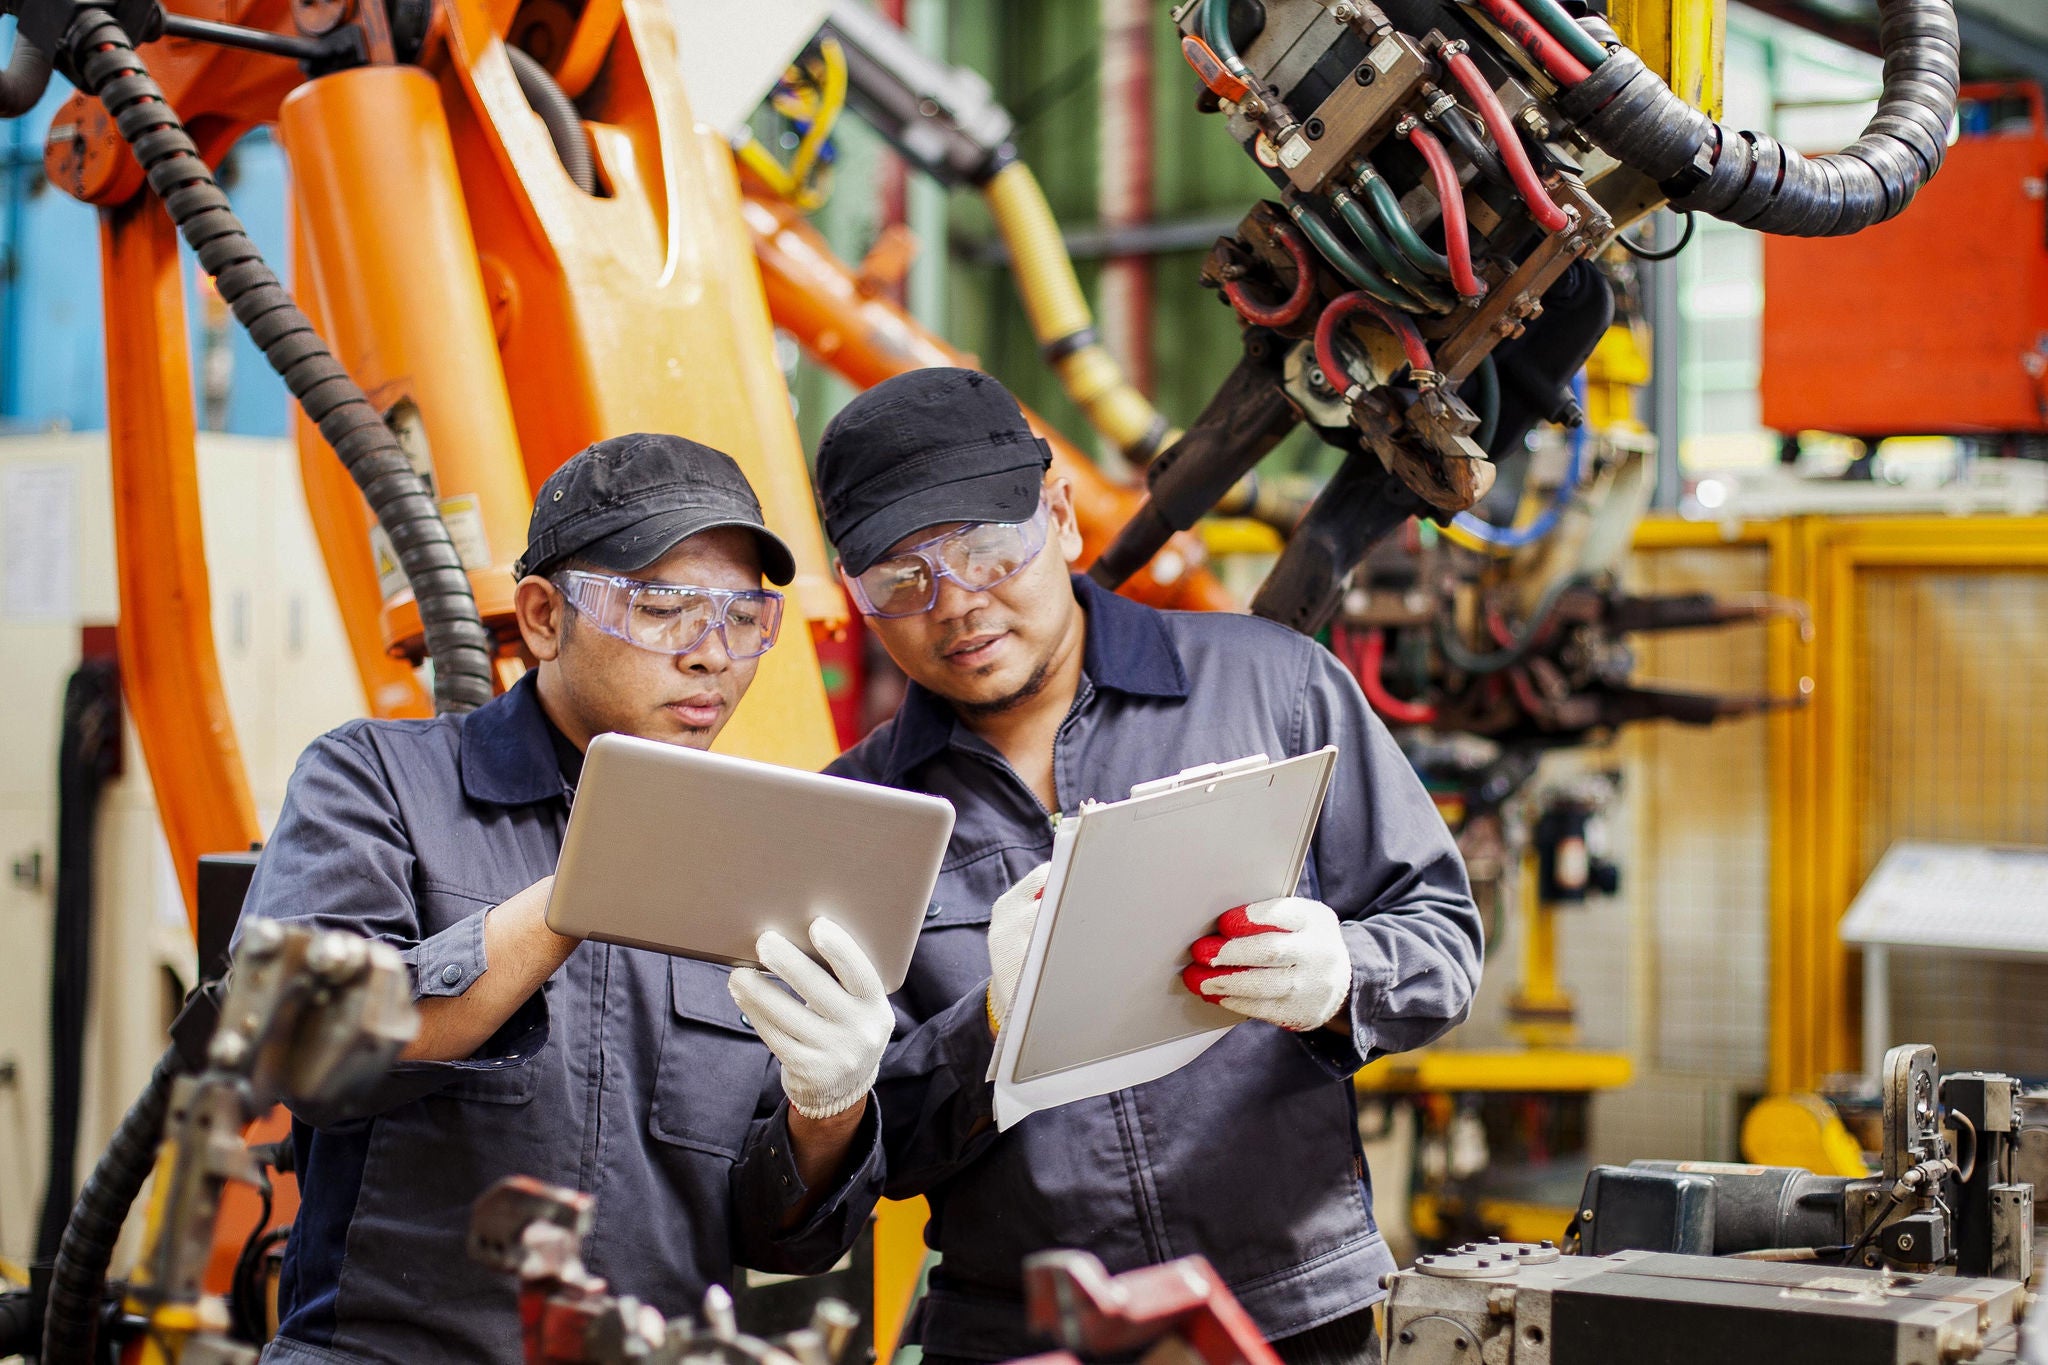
(842, 659)
(1850, 323)
(1070, 1298)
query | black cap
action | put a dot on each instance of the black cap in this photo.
(925, 447)
(626, 501)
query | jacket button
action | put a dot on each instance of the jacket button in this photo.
(451, 974)
(933, 912)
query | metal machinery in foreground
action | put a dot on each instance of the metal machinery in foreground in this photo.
(306, 1016)
(1519, 1303)
(535, 1232)
(1179, 1311)
(1926, 1262)
(1841, 1271)
(1935, 1205)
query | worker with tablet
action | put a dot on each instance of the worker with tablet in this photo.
(1031, 692)
(708, 1133)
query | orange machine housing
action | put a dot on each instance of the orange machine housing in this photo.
(1933, 323)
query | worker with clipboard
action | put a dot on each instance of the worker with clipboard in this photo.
(1032, 691)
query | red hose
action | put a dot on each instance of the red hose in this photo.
(1526, 694)
(1457, 238)
(1549, 53)
(1296, 304)
(1342, 307)
(1372, 652)
(1512, 154)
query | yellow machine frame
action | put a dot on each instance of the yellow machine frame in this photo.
(1818, 783)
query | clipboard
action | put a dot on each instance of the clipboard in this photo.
(1100, 1005)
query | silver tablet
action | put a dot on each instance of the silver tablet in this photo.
(697, 854)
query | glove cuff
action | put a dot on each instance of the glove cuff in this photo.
(838, 1102)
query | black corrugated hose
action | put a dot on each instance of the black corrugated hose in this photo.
(1752, 179)
(564, 124)
(71, 1318)
(456, 640)
(23, 81)
(89, 752)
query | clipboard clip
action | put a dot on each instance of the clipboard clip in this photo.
(1201, 772)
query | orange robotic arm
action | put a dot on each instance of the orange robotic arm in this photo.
(498, 315)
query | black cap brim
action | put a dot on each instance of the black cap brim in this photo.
(1006, 495)
(648, 539)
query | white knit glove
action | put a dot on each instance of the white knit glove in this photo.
(1010, 924)
(1283, 961)
(830, 1042)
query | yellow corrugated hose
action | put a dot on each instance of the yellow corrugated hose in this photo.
(1061, 321)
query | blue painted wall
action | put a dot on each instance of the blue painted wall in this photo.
(52, 366)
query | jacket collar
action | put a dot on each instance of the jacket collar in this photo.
(507, 757)
(1127, 650)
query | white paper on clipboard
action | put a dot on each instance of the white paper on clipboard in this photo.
(1100, 1005)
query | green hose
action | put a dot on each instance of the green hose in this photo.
(1487, 403)
(1349, 266)
(1216, 32)
(1388, 210)
(1576, 40)
(1393, 262)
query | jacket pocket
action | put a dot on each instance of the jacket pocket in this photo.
(713, 1066)
(502, 1080)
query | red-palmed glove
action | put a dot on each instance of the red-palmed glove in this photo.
(1283, 961)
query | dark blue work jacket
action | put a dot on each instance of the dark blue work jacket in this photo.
(630, 1075)
(1249, 1155)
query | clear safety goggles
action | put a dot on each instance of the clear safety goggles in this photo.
(674, 618)
(977, 556)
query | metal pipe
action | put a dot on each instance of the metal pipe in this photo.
(248, 39)
(1124, 180)
(1666, 376)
